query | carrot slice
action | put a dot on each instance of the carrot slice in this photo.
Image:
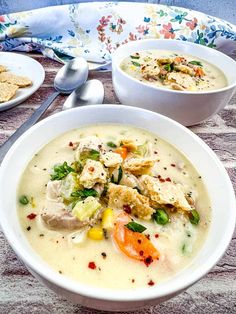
(199, 72)
(122, 151)
(133, 244)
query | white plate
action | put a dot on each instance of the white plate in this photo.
(22, 65)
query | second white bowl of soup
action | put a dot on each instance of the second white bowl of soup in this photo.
(184, 81)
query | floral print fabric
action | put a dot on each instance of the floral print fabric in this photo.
(94, 30)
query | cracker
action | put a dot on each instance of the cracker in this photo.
(2, 68)
(10, 78)
(7, 91)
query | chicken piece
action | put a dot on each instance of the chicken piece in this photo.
(185, 69)
(129, 180)
(163, 193)
(165, 60)
(111, 159)
(150, 72)
(53, 191)
(129, 144)
(56, 217)
(182, 79)
(139, 165)
(176, 86)
(89, 143)
(93, 172)
(121, 196)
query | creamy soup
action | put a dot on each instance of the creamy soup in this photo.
(173, 70)
(113, 197)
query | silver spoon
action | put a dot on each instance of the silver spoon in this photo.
(92, 92)
(69, 77)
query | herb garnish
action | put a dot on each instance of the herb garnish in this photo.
(120, 174)
(82, 194)
(134, 226)
(168, 67)
(136, 56)
(194, 62)
(194, 217)
(161, 217)
(137, 64)
(89, 154)
(111, 144)
(61, 171)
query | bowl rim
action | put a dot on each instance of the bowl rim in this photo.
(105, 294)
(157, 88)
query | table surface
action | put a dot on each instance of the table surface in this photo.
(21, 293)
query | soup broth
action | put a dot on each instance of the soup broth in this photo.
(173, 70)
(139, 226)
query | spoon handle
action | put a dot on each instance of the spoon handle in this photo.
(26, 125)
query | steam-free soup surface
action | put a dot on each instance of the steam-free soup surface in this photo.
(173, 70)
(92, 229)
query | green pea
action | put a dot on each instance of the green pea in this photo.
(161, 217)
(194, 217)
(23, 200)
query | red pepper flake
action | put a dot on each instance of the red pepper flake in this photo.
(91, 169)
(148, 260)
(31, 216)
(139, 241)
(162, 180)
(70, 144)
(147, 236)
(133, 280)
(172, 165)
(127, 209)
(141, 253)
(156, 235)
(92, 265)
(151, 283)
(168, 179)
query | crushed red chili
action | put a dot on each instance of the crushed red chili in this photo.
(91, 169)
(151, 283)
(31, 216)
(148, 260)
(156, 235)
(139, 241)
(127, 209)
(141, 253)
(147, 236)
(70, 144)
(92, 265)
(168, 179)
(162, 180)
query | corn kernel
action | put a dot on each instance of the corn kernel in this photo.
(95, 233)
(108, 219)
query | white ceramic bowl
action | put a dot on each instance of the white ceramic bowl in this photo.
(212, 171)
(186, 107)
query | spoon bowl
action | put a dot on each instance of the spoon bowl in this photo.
(92, 92)
(72, 75)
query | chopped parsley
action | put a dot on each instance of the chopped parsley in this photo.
(194, 62)
(82, 194)
(61, 171)
(111, 144)
(137, 64)
(134, 226)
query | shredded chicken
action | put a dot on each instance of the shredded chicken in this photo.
(122, 196)
(150, 72)
(185, 69)
(182, 79)
(53, 190)
(128, 179)
(163, 193)
(93, 172)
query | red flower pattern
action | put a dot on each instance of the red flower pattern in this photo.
(2, 19)
(168, 31)
(192, 24)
